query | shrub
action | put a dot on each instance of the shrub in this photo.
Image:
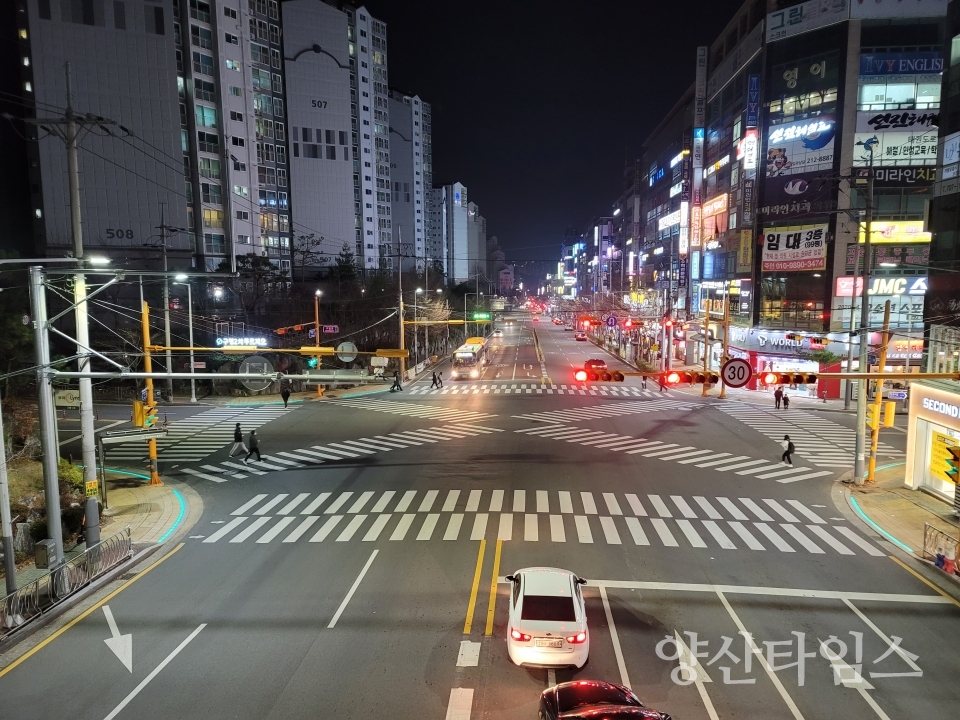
(72, 519)
(70, 474)
(38, 529)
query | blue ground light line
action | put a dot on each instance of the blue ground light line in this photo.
(856, 507)
(183, 503)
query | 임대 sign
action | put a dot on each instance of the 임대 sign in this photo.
(795, 248)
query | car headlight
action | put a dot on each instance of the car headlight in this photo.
(474, 374)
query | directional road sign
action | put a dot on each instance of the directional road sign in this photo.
(346, 352)
(736, 372)
(143, 395)
(897, 395)
(330, 329)
(612, 321)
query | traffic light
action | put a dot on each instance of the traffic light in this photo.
(711, 378)
(953, 462)
(677, 377)
(592, 375)
(873, 416)
(137, 413)
(668, 323)
(312, 362)
(150, 416)
(772, 378)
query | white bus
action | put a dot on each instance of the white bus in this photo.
(469, 359)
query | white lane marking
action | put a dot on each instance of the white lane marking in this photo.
(566, 505)
(154, 673)
(692, 536)
(247, 505)
(778, 542)
(636, 530)
(666, 537)
(384, 500)
(741, 465)
(725, 460)
(505, 531)
(275, 530)
(361, 501)
(610, 530)
(697, 459)
(718, 535)
(519, 500)
(405, 501)
(301, 529)
(429, 523)
(226, 529)
(732, 509)
(338, 503)
(859, 541)
(636, 505)
(351, 528)
(660, 506)
(668, 448)
(378, 525)
(583, 529)
(428, 501)
(745, 535)
(618, 653)
(353, 589)
(778, 473)
(263, 510)
(531, 528)
(696, 453)
(709, 509)
(330, 454)
(804, 510)
(320, 499)
(275, 459)
(473, 501)
(453, 527)
(496, 501)
(461, 699)
(830, 540)
(469, 655)
(806, 542)
(295, 457)
(613, 507)
(326, 528)
(289, 507)
(896, 648)
(237, 466)
(589, 506)
(806, 476)
(450, 503)
(250, 529)
(782, 511)
(683, 507)
(479, 526)
(557, 533)
(756, 510)
(203, 476)
(543, 501)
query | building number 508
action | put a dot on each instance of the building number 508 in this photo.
(119, 234)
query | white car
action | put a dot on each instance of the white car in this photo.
(547, 621)
(498, 333)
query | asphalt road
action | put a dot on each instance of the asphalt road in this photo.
(335, 578)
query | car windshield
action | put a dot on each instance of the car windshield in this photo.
(588, 693)
(548, 607)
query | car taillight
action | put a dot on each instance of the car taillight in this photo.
(517, 635)
(580, 637)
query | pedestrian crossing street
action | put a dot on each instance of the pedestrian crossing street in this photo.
(413, 410)
(606, 411)
(334, 451)
(197, 436)
(717, 523)
(820, 440)
(520, 388)
(762, 469)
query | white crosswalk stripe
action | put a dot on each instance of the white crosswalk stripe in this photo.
(608, 410)
(198, 436)
(673, 452)
(528, 389)
(412, 409)
(700, 523)
(816, 438)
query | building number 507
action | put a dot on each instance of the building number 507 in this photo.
(319, 103)
(119, 234)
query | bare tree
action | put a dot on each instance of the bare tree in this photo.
(305, 251)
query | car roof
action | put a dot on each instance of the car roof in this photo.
(547, 581)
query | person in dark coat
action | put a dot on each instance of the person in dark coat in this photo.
(788, 450)
(237, 441)
(285, 395)
(254, 447)
(396, 381)
(777, 397)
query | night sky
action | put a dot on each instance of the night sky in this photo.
(537, 105)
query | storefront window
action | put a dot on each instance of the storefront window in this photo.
(933, 428)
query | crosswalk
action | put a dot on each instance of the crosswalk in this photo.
(412, 409)
(348, 450)
(786, 526)
(200, 435)
(607, 411)
(819, 439)
(520, 388)
(762, 469)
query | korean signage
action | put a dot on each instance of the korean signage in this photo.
(897, 8)
(696, 223)
(917, 63)
(899, 255)
(682, 272)
(753, 101)
(747, 150)
(895, 147)
(748, 188)
(805, 17)
(906, 120)
(799, 195)
(941, 459)
(894, 286)
(905, 176)
(745, 252)
(894, 231)
(699, 118)
(950, 160)
(715, 205)
(241, 341)
(802, 146)
(669, 220)
(795, 248)
(683, 241)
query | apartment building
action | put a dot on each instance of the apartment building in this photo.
(411, 175)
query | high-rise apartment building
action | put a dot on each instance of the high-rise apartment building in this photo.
(456, 232)
(437, 229)
(410, 176)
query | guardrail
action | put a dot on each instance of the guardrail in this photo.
(940, 548)
(33, 600)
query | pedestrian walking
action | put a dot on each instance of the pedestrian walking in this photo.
(436, 382)
(786, 402)
(285, 394)
(237, 441)
(396, 382)
(788, 450)
(440, 378)
(643, 382)
(778, 397)
(254, 447)
(663, 383)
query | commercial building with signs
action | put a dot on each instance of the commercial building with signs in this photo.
(933, 440)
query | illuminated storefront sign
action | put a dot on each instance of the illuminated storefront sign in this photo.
(711, 169)
(696, 222)
(241, 341)
(801, 146)
(683, 242)
(675, 189)
(747, 149)
(669, 220)
(911, 285)
(795, 248)
(894, 231)
(715, 205)
(677, 159)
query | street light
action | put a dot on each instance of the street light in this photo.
(180, 279)
(416, 335)
(316, 330)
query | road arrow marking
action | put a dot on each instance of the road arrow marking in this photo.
(688, 661)
(122, 645)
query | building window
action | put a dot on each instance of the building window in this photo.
(277, 83)
(154, 20)
(278, 107)
(208, 142)
(243, 215)
(214, 243)
(236, 116)
(275, 58)
(233, 65)
(274, 7)
(331, 152)
(260, 54)
(274, 34)
(212, 218)
(241, 190)
(202, 64)
(210, 193)
(282, 154)
(236, 91)
(280, 131)
(237, 141)
(261, 79)
(201, 37)
(230, 12)
(243, 239)
(281, 177)
(266, 175)
(206, 116)
(210, 168)
(282, 199)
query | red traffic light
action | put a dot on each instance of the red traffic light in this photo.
(669, 323)
(628, 322)
(581, 375)
(586, 323)
(770, 378)
(673, 378)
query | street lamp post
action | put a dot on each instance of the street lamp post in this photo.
(864, 326)
(416, 334)
(316, 331)
(182, 280)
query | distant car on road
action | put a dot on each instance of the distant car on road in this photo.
(580, 336)
(547, 624)
(536, 318)
(498, 333)
(595, 364)
(568, 328)
(594, 699)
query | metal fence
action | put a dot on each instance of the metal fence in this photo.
(940, 548)
(42, 594)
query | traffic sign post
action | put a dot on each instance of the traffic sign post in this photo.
(612, 321)
(330, 329)
(736, 372)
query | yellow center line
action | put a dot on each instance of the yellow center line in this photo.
(472, 605)
(922, 579)
(80, 617)
(492, 605)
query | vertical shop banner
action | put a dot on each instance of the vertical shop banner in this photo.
(753, 101)
(798, 248)
(941, 459)
(748, 187)
(682, 272)
(803, 146)
(745, 251)
(699, 120)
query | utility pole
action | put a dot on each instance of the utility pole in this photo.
(402, 330)
(164, 229)
(726, 338)
(878, 396)
(316, 333)
(151, 402)
(848, 387)
(864, 332)
(6, 523)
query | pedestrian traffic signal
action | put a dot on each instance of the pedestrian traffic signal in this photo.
(772, 378)
(312, 362)
(138, 415)
(150, 416)
(873, 416)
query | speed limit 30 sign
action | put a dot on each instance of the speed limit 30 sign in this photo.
(736, 373)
